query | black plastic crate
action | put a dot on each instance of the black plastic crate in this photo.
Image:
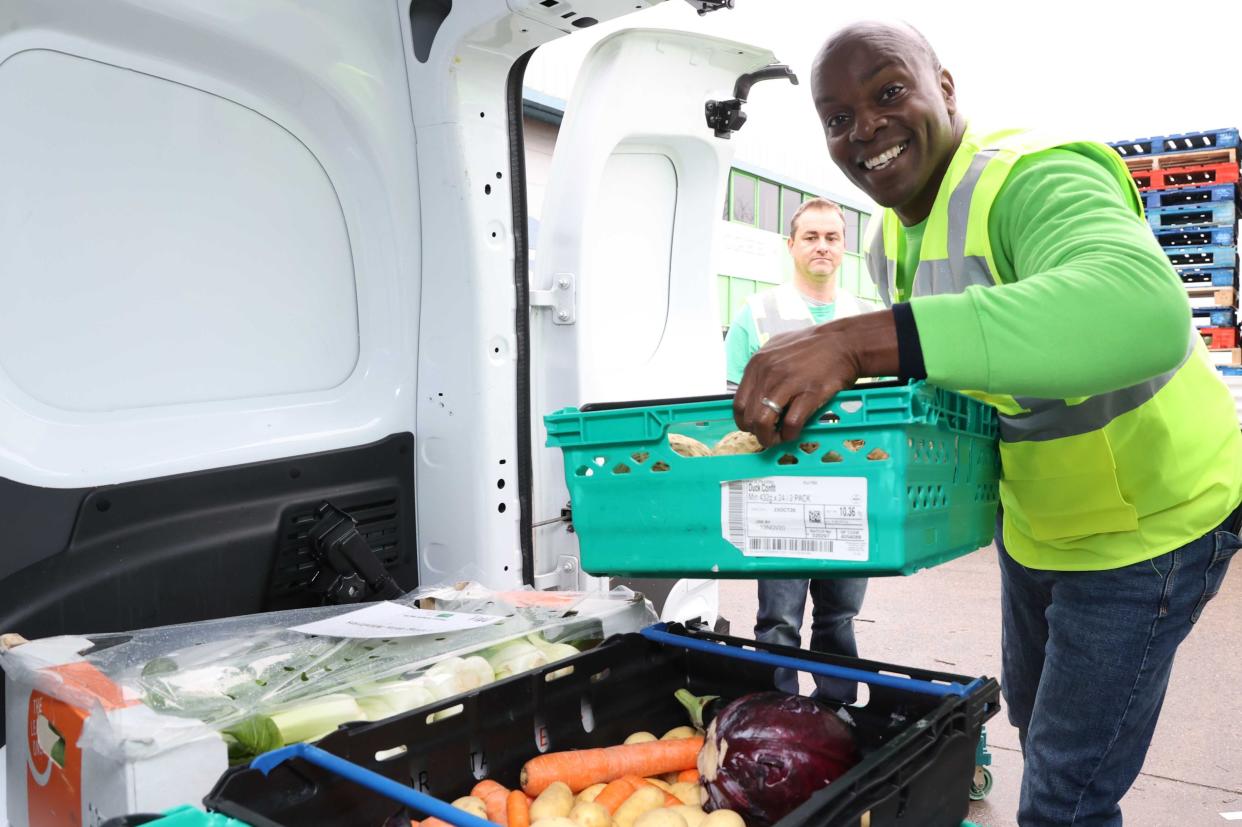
(919, 748)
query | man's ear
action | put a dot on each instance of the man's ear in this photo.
(789, 243)
(949, 89)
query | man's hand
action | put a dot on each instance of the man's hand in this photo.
(799, 372)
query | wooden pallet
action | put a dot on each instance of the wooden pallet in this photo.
(1143, 163)
(1231, 357)
(1221, 296)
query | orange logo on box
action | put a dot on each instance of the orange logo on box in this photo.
(54, 761)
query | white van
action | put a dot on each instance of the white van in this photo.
(260, 254)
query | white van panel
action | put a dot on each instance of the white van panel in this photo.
(626, 249)
(244, 168)
(162, 245)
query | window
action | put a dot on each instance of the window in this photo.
(733, 292)
(743, 187)
(791, 199)
(769, 206)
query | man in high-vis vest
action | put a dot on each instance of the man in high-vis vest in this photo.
(1019, 269)
(817, 246)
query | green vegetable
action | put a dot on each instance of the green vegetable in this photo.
(515, 657)
(251, 737)
(385, 699)
(554, 652)
(311, 720)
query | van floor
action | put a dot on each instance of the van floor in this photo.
(948, 618)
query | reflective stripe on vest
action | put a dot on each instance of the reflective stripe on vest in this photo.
(1055, 418)
(938, 276)
(772, 316)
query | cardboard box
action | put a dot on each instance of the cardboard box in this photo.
(80, 763)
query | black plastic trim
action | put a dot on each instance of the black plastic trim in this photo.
(426, 18)
(214, 543)
(521, 321)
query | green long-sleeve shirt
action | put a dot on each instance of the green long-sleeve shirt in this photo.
(1089, 304)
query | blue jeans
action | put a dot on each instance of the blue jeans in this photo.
(1086, 661)
(834, 605)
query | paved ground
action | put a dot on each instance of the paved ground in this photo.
(948, 618)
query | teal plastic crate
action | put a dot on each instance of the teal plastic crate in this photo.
(886, 479)
(183, 816)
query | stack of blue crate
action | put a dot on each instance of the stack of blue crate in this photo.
(1190, 187)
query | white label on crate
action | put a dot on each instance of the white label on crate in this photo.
(387, 619)
(814, 518)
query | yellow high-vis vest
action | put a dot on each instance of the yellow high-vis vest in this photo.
(1088, 483)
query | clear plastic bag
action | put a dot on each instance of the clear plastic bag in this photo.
(260, 685)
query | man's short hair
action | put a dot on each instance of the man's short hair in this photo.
(814, 204)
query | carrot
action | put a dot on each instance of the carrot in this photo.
(517, 808)
(614, 795)
(582, 768)
(495, 799)
(691, 775)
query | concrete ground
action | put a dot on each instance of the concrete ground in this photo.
(948, 618)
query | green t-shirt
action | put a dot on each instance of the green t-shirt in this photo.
(742, 340)
(1067, 246)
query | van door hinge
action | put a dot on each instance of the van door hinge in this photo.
(563, 578)
(726, 117)
(561, 299)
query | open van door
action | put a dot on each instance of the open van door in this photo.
(624, 298)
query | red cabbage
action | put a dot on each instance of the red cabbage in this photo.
(766, 753)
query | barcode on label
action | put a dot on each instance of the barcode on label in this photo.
(789, 544)
(737, 514)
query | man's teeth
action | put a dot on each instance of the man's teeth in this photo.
(884, 158)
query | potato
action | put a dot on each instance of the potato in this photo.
(640, 738)
(688, 446)
(722, 818)
(661, 783)
(558, 821)
(737, 442)
(590, 814)
(692, 813)
(557, 800)
(687, 791)
(472, 805)
(588, 795)
(679, 733)
(663, 817)
(643, 799)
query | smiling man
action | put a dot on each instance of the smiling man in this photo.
(816, 244)
(1019, 268)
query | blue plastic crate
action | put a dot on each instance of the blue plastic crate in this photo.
(1177, 142)
(1195, 236)
(1214, 276)
(1219, 193)
(1216, 316)
(1204, 256)
(1217, 214)
(887, 479)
